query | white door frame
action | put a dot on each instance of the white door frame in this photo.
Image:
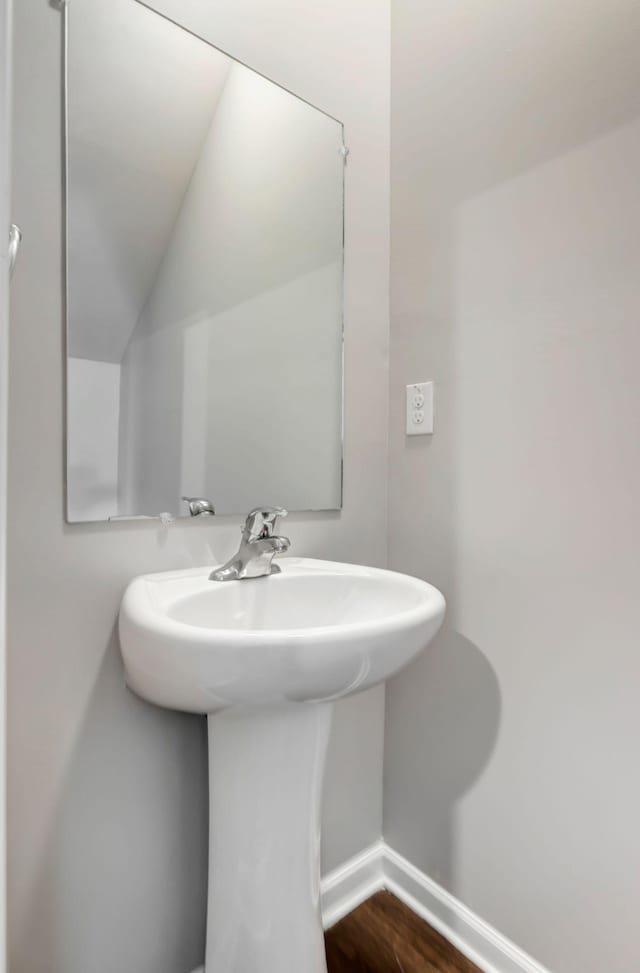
(5, 115)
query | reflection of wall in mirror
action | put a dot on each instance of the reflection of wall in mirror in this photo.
(93, 390)
(231, 382)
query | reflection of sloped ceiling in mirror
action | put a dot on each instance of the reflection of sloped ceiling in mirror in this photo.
(134, 176)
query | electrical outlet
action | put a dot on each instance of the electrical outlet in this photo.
(420, 409)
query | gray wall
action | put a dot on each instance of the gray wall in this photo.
(108, 795)
(511, 764)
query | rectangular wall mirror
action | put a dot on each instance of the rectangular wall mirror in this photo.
(204, 277)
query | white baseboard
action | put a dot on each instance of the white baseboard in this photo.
(380, 867)
(347, 887)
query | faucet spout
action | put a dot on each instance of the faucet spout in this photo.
(274, 545)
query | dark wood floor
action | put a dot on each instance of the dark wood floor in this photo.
(384, 936)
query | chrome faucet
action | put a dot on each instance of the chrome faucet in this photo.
(258, 547)
(199, 507)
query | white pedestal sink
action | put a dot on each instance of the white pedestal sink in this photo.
(264, 659)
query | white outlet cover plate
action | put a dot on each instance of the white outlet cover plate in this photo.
(420, 409)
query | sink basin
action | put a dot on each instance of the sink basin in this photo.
(315, 631)
(265, 659)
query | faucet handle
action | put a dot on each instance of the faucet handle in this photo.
(262, 522)
(199, 506)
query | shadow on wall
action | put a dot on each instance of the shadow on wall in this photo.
(454, 682)
(100, 906)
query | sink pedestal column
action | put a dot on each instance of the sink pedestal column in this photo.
(266, 769)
